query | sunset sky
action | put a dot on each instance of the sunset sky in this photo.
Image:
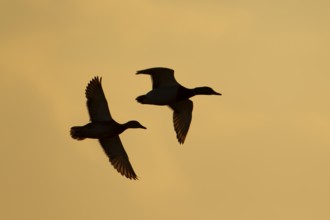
(261, 151)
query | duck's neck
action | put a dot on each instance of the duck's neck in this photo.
(184, 93)
(125, 126)
(121, 127)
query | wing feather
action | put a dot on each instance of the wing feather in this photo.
(117, 156)
(182, 116)
(161, 77)
(97, 104)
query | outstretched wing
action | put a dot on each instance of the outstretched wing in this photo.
(118, 156)
(96, 102)
(161, 77)
(182, 118)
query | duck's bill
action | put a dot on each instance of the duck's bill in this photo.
(216, 93)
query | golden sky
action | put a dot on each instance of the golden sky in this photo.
(260, 151)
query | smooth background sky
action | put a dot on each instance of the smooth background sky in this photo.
(260, 151)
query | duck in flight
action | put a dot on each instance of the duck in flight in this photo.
(167, 91)
(104, 128)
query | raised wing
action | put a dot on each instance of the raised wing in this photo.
(161, 77)
(96, 102)
(118, 156)
(182, 118)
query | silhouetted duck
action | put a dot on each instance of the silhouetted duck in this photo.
(104, 128)
(167, 91)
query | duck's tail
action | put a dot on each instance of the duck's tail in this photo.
(141, 99)
(76, 133)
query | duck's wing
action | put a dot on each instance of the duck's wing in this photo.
(96, 102)
(118, 156)
(182, 118)
(161, 77)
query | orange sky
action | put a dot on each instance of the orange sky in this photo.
(260, 151)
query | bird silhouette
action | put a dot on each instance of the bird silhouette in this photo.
(167, 91)
(104, 128)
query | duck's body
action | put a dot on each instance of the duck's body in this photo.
(105, 129)
(98, 129)
(167, 91)
(160, 96)
(171, 94)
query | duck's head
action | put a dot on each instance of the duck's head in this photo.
(134, 124)
(205, 91)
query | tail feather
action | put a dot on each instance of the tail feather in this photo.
(76, 133)
(141, 98)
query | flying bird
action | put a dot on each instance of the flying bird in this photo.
(104, 128)
(167, 91)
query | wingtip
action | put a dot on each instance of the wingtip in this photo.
(139, 72)
(140, 99)
(95, 82)
(144, 71)
(132, 176)
(154, 69)
(180, 136)
(96, 78)
(125, 171)
(181, 140)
